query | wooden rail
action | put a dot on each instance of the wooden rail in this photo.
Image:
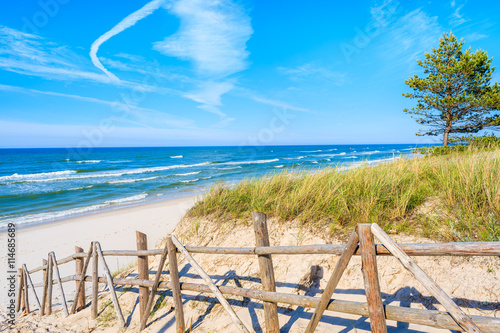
(453, 319)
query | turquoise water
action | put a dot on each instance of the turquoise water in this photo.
(40, 185)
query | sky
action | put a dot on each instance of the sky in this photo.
(221, 72)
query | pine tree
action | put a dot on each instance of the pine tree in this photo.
(456, 95)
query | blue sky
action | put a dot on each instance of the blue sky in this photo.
(209, 72)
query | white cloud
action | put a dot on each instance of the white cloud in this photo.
(32, 55)
(312, 71)
(212, 35)
(126, 23)
(143, 116)
(457, 17)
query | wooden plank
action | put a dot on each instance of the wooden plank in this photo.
(81, 285)
(432, 249)
(45, 288)
(58, 277)
(463, 320)
(26, 272)
(154, 288)
(234, 317)
(78, 271)
(431, 318)
(143, 271)
(111, 287)
(176, 287)
(342, 263)
(95, 284)
(266, 271)
(370, 277)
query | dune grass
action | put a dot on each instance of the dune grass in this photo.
(453, 197)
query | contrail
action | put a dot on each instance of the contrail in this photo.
(127, 22)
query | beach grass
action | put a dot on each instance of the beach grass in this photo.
(455, 197)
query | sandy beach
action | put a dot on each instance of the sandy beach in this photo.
(114, 229)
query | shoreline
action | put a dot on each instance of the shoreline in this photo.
(114, 229)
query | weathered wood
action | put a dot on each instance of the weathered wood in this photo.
(45, 288)
(431, 318)
(50, 278)
(143, 271)
(176, 288)
(342, 263)
(432, 249)
(81, 285)
(111, 287)
(234, 317)
(463, 320)
(26, 297)
(95, 284)
(78, 271)
(266, 271)
(370, 277)
(26, 272)
(154, 288)
(20, 294)
(58, 277)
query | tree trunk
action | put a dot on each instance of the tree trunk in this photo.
(446, 134)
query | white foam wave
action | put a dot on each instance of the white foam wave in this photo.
(117, 173)
(124, 161)
(230, 168)
(89, 161)
(29, 176)
(370, 152)
(312, 151)
(187, 174)
(189, 181)
(178, 156)
(251, 162)
(279, 166)
(350, 157)
(137, 197)
(207, 177)
(126, 181)
(314, 162)
(80, 188)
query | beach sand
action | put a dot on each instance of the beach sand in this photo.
(114, 229)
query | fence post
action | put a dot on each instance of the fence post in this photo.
(176, 287)
(266, 271)
(45, 286)
(50, 285)
(20, 298)
(143, 271)
(370, 277)
(95, 283)
(79, 271)
(26, 298)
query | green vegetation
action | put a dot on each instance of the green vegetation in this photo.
(455, 96)
(463, 144)
(452, 197)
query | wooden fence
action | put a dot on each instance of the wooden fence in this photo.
(361, 242)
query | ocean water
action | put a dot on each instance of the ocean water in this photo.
(42, 185)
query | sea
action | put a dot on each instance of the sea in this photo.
(44, 185)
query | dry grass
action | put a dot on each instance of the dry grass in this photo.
(465, 189)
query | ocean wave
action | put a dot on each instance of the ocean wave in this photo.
(80, 188)
(230, 168)
(137, 197)
(90, 161)
(350, 157)
(187, 174)
(312, 151)
(279, 166)
(178, 156)
(250, 162)
(205, 178)
(189, 181)
(330, 155)
(124, 161)
(126, 181)
(314, 162)
(18, 177)
(370, 152)
(117, 173)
